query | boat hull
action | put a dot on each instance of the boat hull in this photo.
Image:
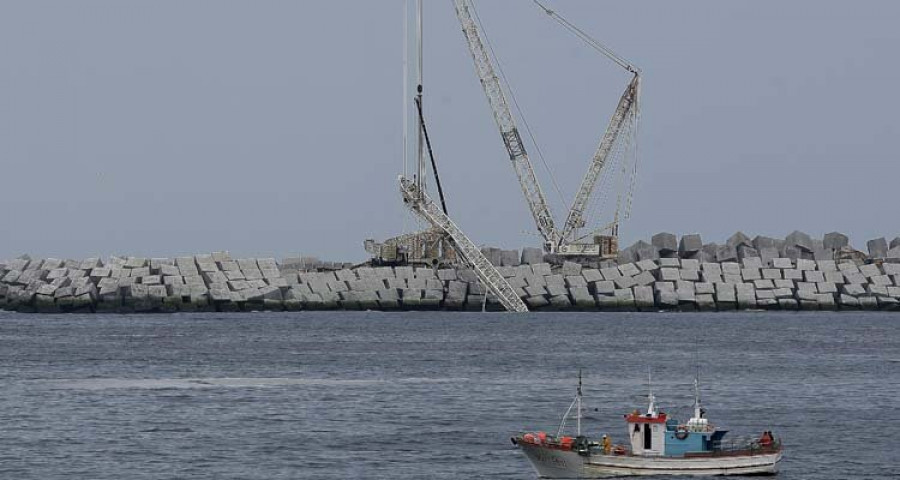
(556, 463)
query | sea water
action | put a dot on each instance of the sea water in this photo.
(320, 395)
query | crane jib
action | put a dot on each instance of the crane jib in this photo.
(514, 144)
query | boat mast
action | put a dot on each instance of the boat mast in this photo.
(698, 410)
(578, 406)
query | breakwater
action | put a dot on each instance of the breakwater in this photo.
(667, 273)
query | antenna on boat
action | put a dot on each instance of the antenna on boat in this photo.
(576, 404)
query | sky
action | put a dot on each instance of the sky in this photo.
(274, 128)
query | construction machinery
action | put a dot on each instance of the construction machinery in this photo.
(575, 238)
(446, 238)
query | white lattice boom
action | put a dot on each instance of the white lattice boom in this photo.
(421, 204)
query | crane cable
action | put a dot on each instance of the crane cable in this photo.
(590, 41)
(515, 101)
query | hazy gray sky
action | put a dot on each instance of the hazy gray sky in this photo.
(274, 127)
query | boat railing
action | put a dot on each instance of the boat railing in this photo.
(745, 445)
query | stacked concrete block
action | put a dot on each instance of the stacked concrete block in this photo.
(666, 244)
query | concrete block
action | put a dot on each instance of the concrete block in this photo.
(891, 268)
(783, 293)
(151, 280)
(788, 304)
(783, 263)
(768, 255)
(89, 264)
(731, 268)
(705, 302)
(571, 268)
(542, 269)
(509, 258)
(629, 270)
(537, 302)
(582, 298)
(834, 277)
(826, 287)
(877, 290)
(764, 284)
(800, 240)
(881, 280)
(666, 243)
(732, 279)
(643, 298)
(703, 288)
(690, 264)
(659, 286)
(792, 274)
(576, 281)
(870, 270)
(765, 294)
(804, 264)
(228, 266)
(807, 287)
(835, 241)
(602, 288)
(690, 275)
(745, 289)
(771, 273)
(686, 296)
(825, 301)
(535, 291)
(644, 279)
(712, 268)
(643, 251)
(746, 301)
(234, 275)
(610, 273)
(744, 252)
(690, 245)
(170, 280)
(625, 282)
(848, 267)
(878, 248)
(760, 242)
(666, 298)
(554, 290)
(592, 275)
(561, 302)
(531, 255)
(407, 272)
(789, 284)
(813, 276)
(708, 252)
(555, 280)
(855, 277)
(853, 289)
(669, 274)
(868, 303)
(669, 262)
(738, 239)
(750, 274)
(683, 285)
(751, 262)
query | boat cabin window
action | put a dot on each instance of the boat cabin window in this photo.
(648, 438)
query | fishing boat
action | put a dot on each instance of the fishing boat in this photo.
(658, 445)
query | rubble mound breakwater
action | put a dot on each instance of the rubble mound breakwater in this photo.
(668, 273)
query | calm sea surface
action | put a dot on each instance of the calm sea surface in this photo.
(425, 395)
